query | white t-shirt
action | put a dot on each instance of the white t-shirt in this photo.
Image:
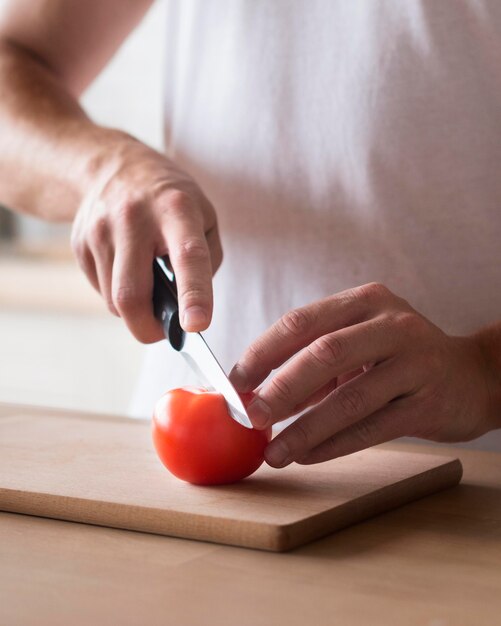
(341, 142)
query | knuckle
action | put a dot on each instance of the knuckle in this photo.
(350, 400)
(126, 298)
(178, 201)
(281, 388)
(193, 294)
(128, 213)
(409, 323)
(255, 353)
(191, 251)
(295, 322)
(372, 292)
(328, 350)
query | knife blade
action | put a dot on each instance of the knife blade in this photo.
(192, 346)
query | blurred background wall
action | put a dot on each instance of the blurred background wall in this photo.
(59, 346)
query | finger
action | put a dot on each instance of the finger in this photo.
(85, 260)
(103, 252)
(104, 268)
(132, 287)
(299, 327)
(191, 261)
(345, 377)
(325, 358)
(316, 397)
(322, 393)
(385, 425)
(345, 406)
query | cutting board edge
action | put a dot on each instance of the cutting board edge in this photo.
(443, 476)
(245, 533)
(198, 527)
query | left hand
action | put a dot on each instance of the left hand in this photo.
(369, 368)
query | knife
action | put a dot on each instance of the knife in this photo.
(192, 346)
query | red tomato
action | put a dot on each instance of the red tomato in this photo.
(198, 441)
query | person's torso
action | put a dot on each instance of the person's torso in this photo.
(341, 143)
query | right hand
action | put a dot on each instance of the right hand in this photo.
(140, 206)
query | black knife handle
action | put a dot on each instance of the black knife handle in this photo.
(165, 306)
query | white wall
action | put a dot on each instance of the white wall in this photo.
(128, 94)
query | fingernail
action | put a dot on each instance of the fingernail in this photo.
(195, 316)
(238, 378)
(259, 413)
(277, 453)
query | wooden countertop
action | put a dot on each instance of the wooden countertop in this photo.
(47, 280)
(436, 562)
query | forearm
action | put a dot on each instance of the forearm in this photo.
(49, 148)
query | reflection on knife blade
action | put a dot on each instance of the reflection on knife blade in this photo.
(199, 357)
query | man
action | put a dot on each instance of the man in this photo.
(351, 154)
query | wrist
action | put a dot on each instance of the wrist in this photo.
(106, 150)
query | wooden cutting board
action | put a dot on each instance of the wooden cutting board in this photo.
(103, 470)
